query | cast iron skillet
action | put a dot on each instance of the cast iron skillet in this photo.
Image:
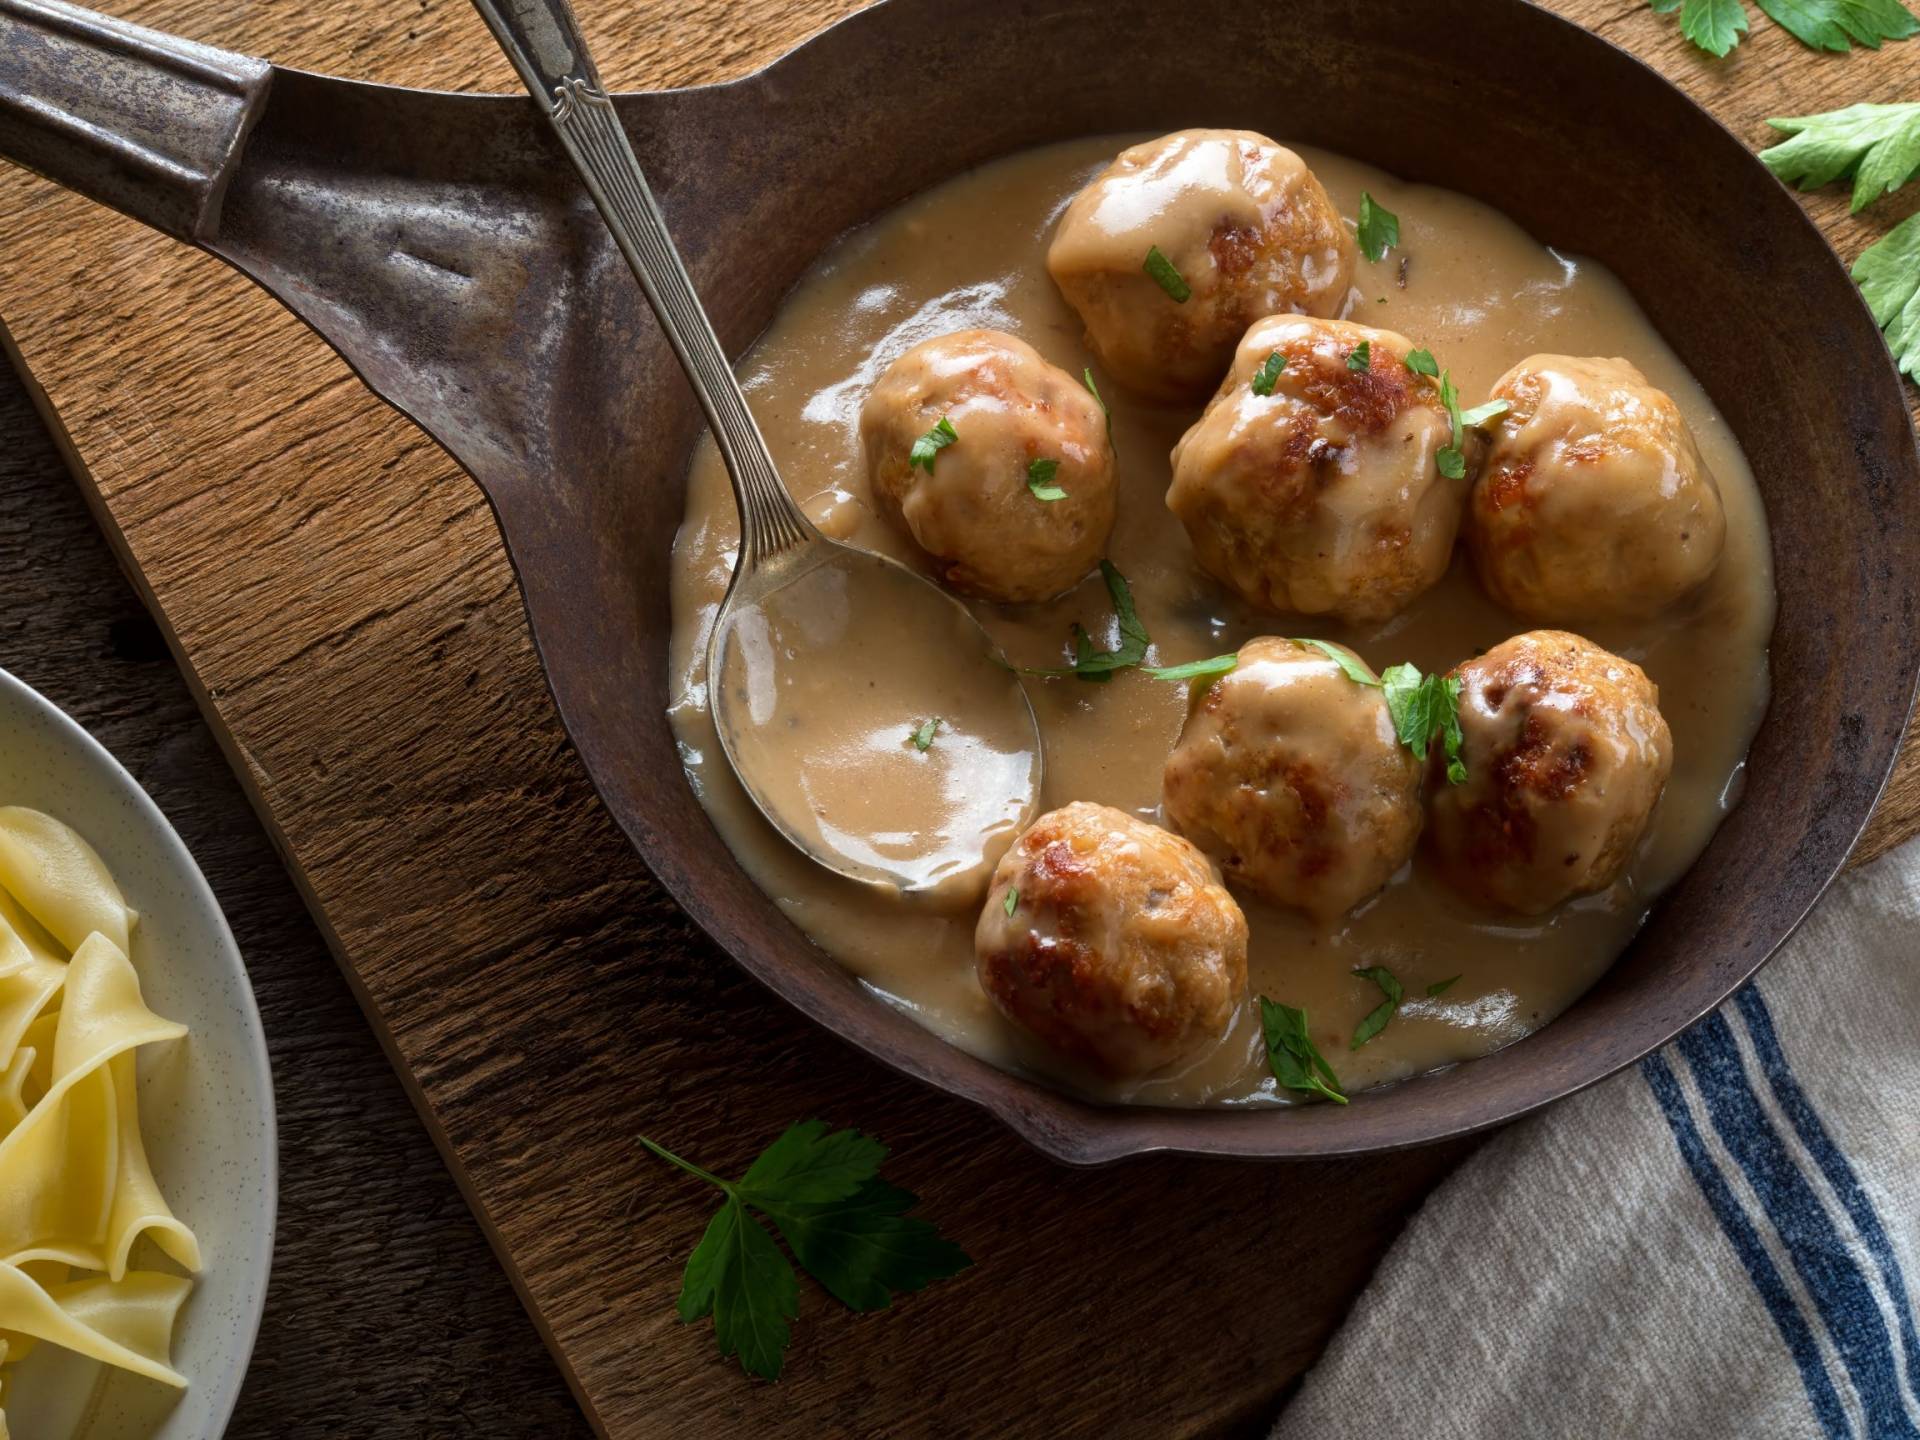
(441, 245)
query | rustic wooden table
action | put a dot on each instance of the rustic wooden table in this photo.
(353, 634)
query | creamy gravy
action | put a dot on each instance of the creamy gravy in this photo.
(1480, 294)
(919, 776)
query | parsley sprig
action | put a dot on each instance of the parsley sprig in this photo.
(1878, 145)
(1296, 1063)
(1424, 707)
(1040, 481)
(1452, 458)
(1098, 666)
(928, 447)
(848, 1228)
(1378, 228)
(1716, 26)
(1268, 375)
(1376, 1019)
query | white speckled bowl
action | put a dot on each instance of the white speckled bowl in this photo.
(206, 1102)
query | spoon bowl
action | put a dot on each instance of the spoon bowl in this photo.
(913, 779)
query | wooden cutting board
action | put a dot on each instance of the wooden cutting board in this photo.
(336, 592)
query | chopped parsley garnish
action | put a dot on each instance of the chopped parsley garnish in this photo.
(1378, 228)
(1013, 900)
(1291, 1055)
(929, 445)
(1423, 707)
(1421, 362)
(1098, 666)
(1086, 374)
(1268, 374)
(1194, 669)
(849, 1229)
(922, 738)
(1166, 277)
(1452, 459)
(1716, 26)
(1878, 145)
(1040, 475)
(1351, 667)
(1440, 987)
(1376, 1019)
(1481, 414)
(1361, 356)
(1888, 274)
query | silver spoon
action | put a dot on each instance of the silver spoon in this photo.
(779, 546)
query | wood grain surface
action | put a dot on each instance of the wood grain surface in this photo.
(337, 595)
(440, 1346)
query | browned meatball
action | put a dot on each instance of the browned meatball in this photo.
(1111, 940)
(992, 524)
(1289, 774)
(1242, 222)
(1566, 754)
(1324, 497)
(1594, 503)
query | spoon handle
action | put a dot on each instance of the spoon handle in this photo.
(543, 40)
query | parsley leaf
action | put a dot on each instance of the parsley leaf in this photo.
(1360, 356)
(1440, 987)
(1837, 25)
(1098, 666)
(1481, 414)
(1194, 669)
(864, 1248)
(1378, 228)
(1421, 362)
(1888, 273)
(1376, 1019)
(1166, 277)
(922, 738)
(849, 1229)
(1878, 145)
(1350, 667)
(1423, 707)
(1291, 1055)
(1040, 475)
(1086, 374)
(1269, 372)
(1013, 900)
(1716, 26)
(929, 446)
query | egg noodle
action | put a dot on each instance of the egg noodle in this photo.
(76, 1191)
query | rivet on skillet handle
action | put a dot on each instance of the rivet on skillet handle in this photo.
(149, 124)
(544, 42)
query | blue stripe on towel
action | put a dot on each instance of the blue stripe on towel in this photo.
(1834, 1164)
(1734, 1224)
(1824, 1260)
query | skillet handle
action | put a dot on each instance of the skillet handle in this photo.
(147, 123)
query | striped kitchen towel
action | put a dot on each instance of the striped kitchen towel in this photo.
(1723, 1241)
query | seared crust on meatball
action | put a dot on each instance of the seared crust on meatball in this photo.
(1566, 754)
(1324, 497)
(974, 514)
(1594, 503)
(1290, 775)
(1241, 219)
(1111, 940)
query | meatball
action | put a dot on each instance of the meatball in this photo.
(1566, 753)
(988, 508)
(1325, 496)
(1594, 503)
(1241, 221)
(1289, 773)
(1111, 940)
